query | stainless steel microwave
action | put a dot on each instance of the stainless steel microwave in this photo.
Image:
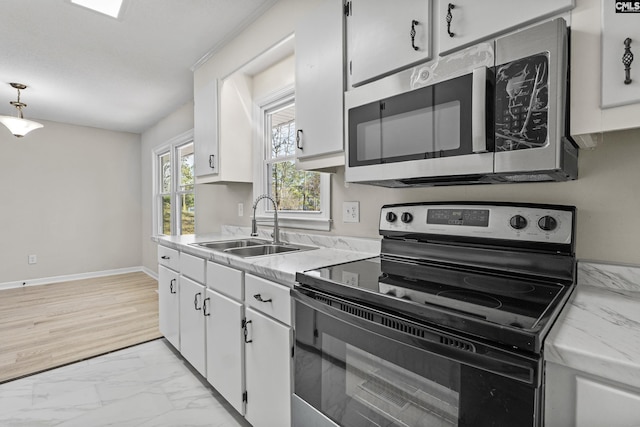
(493, 113)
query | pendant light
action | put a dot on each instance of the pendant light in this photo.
(19, 126)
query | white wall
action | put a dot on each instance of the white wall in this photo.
(71, 196)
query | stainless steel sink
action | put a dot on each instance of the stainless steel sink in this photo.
(269, 249)
(247, 248)
(229, 244)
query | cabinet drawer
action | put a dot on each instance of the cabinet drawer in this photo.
(268, 297)
(169, 258)
(228, 281)
(192, 266)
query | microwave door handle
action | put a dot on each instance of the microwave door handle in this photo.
(478, 110)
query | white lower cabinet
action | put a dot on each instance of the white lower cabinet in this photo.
(268, 371)
(241, 343)
(268, 353)
(192, 325)
(578, 399)
(225, 347)
(169, 305)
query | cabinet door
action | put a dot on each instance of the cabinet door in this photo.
(599, 404)
(169, 306)
(225, 347)
(320, 81)
(205, 132)
(616, 28)
(268, 371)
(379, 36)
(192, 337)
(473, 20)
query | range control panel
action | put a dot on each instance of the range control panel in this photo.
(535, 223)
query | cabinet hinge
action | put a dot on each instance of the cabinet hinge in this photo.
(347, 8)
(244, 397)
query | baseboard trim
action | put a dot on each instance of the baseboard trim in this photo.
(79, 276)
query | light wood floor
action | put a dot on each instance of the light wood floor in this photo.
(42, 327)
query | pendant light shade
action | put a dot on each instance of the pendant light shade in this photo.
(19, 126)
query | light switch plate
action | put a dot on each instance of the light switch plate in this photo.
(350, 211)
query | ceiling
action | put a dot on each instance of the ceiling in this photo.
(122, 74)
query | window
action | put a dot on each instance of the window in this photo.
(174, 201)
(302, 197)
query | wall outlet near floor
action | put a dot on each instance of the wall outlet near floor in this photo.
(350, 211)
(33, 259)
(240, 209)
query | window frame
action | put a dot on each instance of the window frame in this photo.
(171, 147)
(310, 220)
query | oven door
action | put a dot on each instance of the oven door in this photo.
(356, 367)
(436, 130)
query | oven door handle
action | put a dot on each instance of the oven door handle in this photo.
(424, 338)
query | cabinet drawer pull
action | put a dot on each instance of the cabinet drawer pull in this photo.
(627, 59)
(171, 288)
(413, 34)
(246, 332)
(211, 159)
(204, 307)
(165, 257)
(196, 300)
(259, 298)
(299, 133)
(449, 18)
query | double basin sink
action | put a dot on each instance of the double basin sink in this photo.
(247, 248)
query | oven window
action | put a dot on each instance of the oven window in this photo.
(382, 393)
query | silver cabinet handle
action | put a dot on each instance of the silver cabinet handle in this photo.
(171, 288)
(204, 307)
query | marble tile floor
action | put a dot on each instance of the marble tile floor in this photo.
(145, 385)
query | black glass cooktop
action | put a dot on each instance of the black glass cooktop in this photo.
(446, 296)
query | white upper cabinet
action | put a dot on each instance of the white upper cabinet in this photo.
(206, 129)
(464, 22)
(223, 130)
(386, 36)
(598, 91)
(319, 44)
(620, 43)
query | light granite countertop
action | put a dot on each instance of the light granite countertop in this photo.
(280, 268)
(598, 332)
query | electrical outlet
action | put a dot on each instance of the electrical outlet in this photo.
(33, 259)
(240, 209)
(350, 211)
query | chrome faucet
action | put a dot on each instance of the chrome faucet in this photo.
(254, 222)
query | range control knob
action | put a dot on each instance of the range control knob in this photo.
(406, 217)
(391, 217)
(547, 223)
(518, 222)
